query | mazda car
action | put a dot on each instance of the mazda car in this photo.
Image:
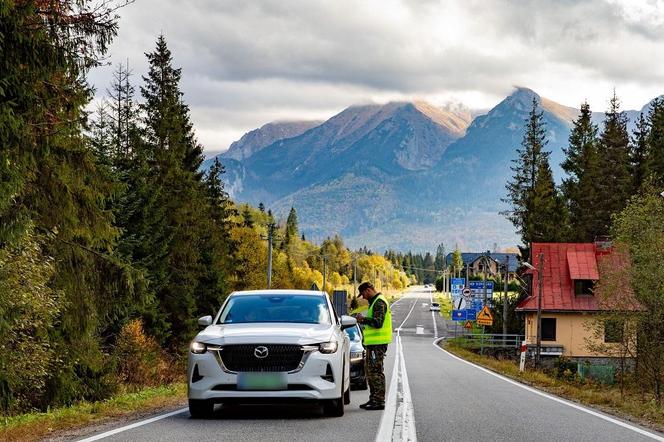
(271, 346)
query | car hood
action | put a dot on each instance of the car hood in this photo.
(266, 333)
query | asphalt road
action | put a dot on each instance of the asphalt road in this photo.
(432, 396)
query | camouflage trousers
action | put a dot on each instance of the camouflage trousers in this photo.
(376, 372)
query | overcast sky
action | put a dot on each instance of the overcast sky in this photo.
(246, 63)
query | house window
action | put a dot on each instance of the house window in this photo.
(613, 330)
(548, 329)
(583, 287)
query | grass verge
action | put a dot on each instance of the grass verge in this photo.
(633, 406)
(35, 426)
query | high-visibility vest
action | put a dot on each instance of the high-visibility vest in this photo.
(383, 335)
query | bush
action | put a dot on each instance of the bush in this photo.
(140, 360)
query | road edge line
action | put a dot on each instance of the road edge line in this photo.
(386, 424)
(132, 426)
(554, 398)
(407, 399)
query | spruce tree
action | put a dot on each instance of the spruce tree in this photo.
(52, 180)
(639, 153)
(528, 192)
(655, 158)
(174, 156)
(615, 183)
(291, 225)
(580, 188)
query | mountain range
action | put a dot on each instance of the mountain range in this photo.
(402, 175)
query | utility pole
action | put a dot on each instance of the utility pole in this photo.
(505, 287)
(324, 272)
(355, 278)
(270, 238)
(540, 271)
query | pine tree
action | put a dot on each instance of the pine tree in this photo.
(639, 153)
(580, 188)
(261, 207)
(528, 191)
(615, 185)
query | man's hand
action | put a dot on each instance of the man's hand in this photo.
(359, 317)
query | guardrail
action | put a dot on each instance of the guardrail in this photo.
(485, 340)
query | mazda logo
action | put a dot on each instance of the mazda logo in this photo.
(261, 352)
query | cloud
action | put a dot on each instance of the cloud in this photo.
(247, 63)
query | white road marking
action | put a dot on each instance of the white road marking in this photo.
(399, 402)
(554, 398)
(134, 425)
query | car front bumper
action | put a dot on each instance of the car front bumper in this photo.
(216, 383)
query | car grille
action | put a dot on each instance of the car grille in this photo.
(242, 358)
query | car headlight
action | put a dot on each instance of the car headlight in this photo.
(197, 348)
(356, 356)
(328, 347)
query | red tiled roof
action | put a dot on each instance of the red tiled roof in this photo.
(563, 262)
(582, 265)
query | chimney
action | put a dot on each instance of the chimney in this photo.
(603, 245)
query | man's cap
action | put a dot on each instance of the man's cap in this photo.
(364, 286)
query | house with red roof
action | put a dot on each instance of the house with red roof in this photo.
(570, 271)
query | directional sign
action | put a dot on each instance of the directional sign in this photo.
(485, 317)
(471, 315)
(458, 315)
(477, 288)
(468, 325)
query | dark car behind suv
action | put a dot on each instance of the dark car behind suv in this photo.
(358, 377)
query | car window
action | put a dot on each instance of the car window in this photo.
(275, 308)
(354, 334)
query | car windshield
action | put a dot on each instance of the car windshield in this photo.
(353, 334)
(435, 304)
(307, 309)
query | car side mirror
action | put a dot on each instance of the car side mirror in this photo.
(347, 322)
(205, 321)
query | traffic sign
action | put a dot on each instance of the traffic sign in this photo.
(458, 315)
(468, 325)
(467, 293)
(471, 315)
(457, 285)
(485, 317)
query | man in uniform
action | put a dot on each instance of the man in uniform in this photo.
(377, 334)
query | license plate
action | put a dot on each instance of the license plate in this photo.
(262, 381)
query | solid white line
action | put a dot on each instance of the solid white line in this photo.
(554, 398)
(408, 430)
(386, 425)
(388, 418)
(134, 425)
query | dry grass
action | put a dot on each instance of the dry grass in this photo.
(35, 426)
(633, 406)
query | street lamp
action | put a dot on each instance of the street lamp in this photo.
(539, 270)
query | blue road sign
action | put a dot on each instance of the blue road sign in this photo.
(458, 315)
(471, 315)
(457, 286)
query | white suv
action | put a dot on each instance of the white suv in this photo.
(271, 346)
